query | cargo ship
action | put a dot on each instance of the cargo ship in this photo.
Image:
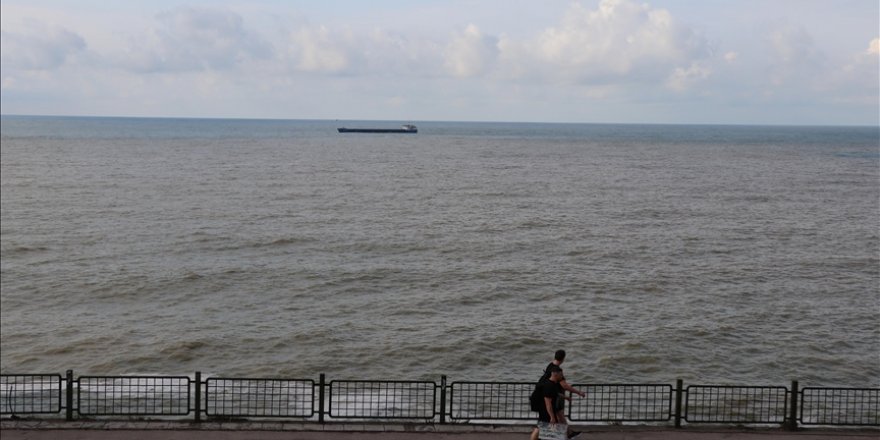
(408, 128)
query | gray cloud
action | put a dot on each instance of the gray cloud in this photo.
(39, 47)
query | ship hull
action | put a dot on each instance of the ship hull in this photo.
(376, 130)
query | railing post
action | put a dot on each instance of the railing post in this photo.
(442, 399)
(679, 390)
(321, 398)
(198, 396)
(69, 409)
(792, 423)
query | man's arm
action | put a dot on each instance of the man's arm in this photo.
(548, 402)
(571, 389)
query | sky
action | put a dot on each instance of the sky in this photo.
(786, 62)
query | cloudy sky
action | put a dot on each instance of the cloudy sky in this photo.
(628, 61)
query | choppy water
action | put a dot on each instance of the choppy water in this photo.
(716, 254)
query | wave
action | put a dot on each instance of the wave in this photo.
(23, 250)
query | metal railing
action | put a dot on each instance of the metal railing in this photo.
(133, 395)
(34, 394)
(428, 402)
(623, 403)
(242, 397)
(735, 404)
(490, 401)
(840, 406)
(370, 399)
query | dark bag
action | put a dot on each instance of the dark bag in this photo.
(536, 399)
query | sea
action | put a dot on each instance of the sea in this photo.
(739, 255)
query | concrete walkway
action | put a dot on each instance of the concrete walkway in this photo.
(100, 430)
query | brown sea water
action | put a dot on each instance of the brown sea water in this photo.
(723, 254)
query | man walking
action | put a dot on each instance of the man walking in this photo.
(559, 405)
(550, 392)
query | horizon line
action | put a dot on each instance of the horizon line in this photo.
(218, 118)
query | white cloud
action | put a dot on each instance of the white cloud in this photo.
(793, 45)
(39, 47)
(859, 79)
(192, 39)
(794, 59)
(620, 40)
(391, 54)
(563, 61)
(873, 47)
(375, 53)
(470, 53)
(318, 50)
(682, 78)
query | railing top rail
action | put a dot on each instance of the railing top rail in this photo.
(582, 384)
(213, 378)
(739, 386)
(383, 381)
(32, 375)
(840, 388)
(134, 376)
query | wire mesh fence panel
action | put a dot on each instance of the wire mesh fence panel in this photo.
(30, 393)
(259, 397)
(622, 403)
(735, 404)
(491, 400)
(134, 395)
(840, 406)
(382, 399)
(418, 400)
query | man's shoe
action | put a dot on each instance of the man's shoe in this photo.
(574, 434)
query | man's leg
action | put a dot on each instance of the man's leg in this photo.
(543, 416)
(534, 435)
(560, 415)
